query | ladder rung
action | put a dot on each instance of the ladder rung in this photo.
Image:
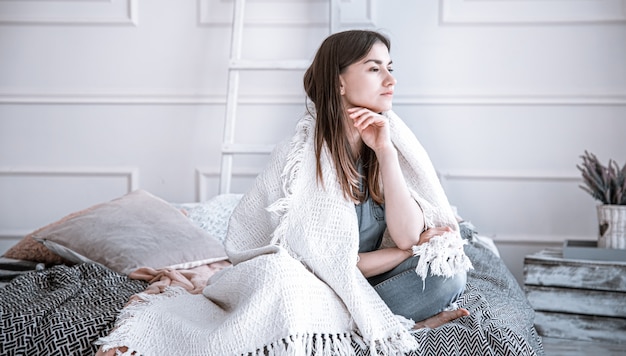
(269, 65)
(233, 148)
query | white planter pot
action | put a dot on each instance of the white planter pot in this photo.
(612, 226)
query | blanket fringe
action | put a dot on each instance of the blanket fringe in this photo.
(118, 338)
(310, 344)
(336, 345)
(288, 177)
(444, 256)
(400, 344)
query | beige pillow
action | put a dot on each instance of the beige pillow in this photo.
(30, 250)
(136, 230)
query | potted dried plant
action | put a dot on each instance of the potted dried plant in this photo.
(607, 184)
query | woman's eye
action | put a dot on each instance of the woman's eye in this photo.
(390, 70)
(374, 69)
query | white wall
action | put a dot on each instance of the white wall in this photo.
(98, 98)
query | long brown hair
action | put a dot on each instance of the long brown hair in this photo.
(322, 85)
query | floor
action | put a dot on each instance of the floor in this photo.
(565, 347)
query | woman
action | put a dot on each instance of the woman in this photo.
(350, 82)
(350, 154)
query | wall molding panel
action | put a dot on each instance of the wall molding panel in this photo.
(13, 236)
(353, 13)
(93, 97)
(487, 175)
(69, 13)
(130, 174)
(490, 12)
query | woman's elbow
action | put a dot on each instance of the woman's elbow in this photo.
(408, 241)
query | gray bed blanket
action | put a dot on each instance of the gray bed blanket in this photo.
(62, 310)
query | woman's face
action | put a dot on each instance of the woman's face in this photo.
(368, 82)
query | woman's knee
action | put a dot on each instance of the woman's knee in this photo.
(447, 288)
(456, 284)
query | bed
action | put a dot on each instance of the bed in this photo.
(65, 285)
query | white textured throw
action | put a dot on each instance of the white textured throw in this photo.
(294, 288)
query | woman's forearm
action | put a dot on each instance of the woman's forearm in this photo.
(404, 217)
(381, 261)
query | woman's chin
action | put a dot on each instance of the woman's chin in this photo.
(380, 108)
(384, 108)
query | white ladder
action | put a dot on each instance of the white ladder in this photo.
(235, 66)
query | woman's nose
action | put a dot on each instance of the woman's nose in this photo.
(390, 80)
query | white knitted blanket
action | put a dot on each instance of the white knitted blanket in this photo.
(294, 288)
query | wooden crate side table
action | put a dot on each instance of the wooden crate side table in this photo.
(576, 299)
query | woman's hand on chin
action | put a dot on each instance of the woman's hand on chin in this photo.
(373, 127)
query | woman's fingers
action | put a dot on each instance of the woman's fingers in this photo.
(433, 232)
(436, 231)
(363, 118)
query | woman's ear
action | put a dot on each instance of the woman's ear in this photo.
(342, 88)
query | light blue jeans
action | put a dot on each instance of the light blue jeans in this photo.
(408, 295)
